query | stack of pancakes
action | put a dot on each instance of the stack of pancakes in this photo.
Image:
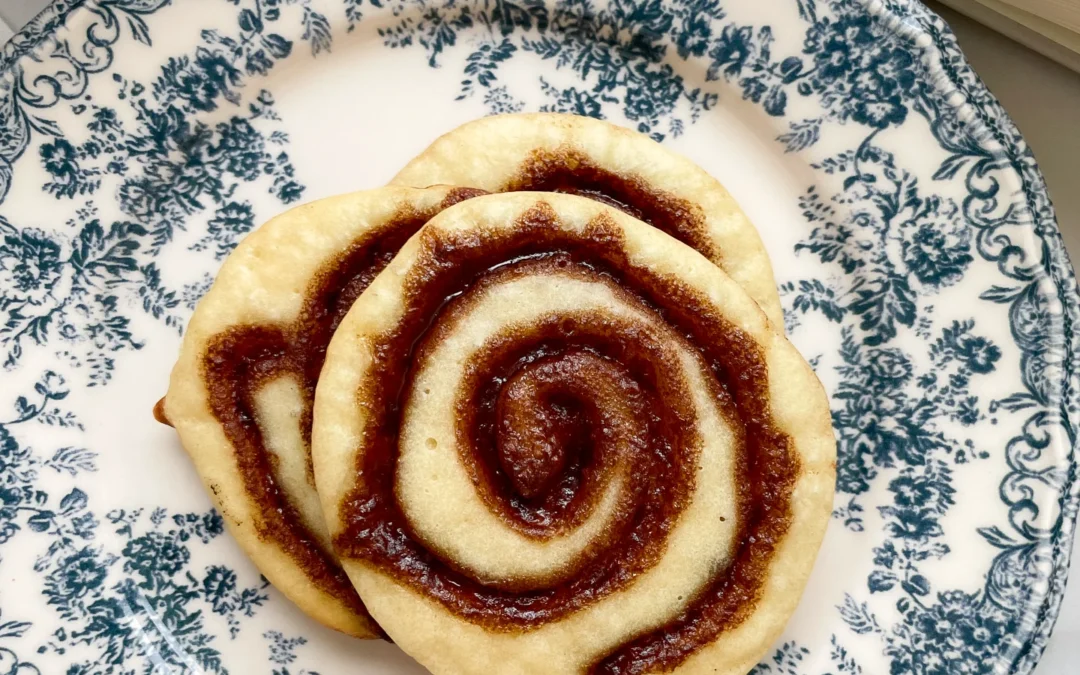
(527, 409)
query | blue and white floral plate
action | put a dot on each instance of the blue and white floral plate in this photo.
(920, 264)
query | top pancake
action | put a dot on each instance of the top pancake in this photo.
(552, 439)
(554, 152)
(240, 395)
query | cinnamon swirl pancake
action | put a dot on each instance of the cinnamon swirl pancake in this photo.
(553, 152)
(241, 393)
(553, 439)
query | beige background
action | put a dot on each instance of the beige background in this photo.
(1043, 99)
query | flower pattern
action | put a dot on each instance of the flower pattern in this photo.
(189, 155)
(148, 608)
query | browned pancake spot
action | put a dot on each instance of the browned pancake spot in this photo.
(159, 413)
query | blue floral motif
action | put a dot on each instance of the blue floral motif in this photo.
(36, 89)
(283, 652)
(950, 631)
(71, 288)
(617, 49)
(952, 636)
(230, 222)
(620, 49)
(139, 597)
(889, 415)
(152, 608)
(9, 660)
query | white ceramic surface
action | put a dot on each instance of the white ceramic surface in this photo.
(821, 119)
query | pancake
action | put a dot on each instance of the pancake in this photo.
(552, 439)
(553, 152)
(240, 395)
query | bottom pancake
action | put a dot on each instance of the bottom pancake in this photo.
(241, 393)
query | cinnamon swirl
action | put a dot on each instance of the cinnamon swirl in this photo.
(552, 439)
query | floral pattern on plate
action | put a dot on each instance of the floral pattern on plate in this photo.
(140, 139)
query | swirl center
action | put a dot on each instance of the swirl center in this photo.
(553, 410)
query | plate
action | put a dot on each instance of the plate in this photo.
(915, 246)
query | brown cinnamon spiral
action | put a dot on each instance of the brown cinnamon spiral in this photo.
(550, 438)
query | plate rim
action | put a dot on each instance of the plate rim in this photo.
(960, 86)
(929, 31)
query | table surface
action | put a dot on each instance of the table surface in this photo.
(1043, 99)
